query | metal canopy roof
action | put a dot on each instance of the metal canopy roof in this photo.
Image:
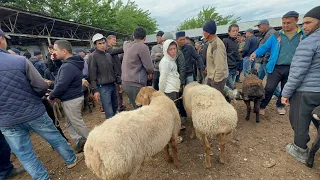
(24, 26)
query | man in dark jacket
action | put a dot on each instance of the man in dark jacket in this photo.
(191, 57)
(115, 53)
(250, 45)
(22, 111)
(137, 66)
(38, 63)
(232, 49)
(103, 76)
(67, 88)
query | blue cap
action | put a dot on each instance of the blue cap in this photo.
(4, 34)
(264, 21)
(180, 34)
(210, 27)
(36, 52)
(249, 30)
(15, 50)
(291, 14)
(79, 50)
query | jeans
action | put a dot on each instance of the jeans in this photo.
(18, 138)
(74, 121)
(5, 163)
(247, 65)
(231, 78)
(156, 76)
(262, 70)
(189, 79)
(108, 96)
(279, 74)
(132, 93)
(239, 68)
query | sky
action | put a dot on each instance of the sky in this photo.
(170, 13)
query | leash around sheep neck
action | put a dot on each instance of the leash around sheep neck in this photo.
(178, 99)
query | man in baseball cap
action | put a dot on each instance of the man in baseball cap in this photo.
(264, 21)
(97, 37)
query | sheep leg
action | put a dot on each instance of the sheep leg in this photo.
(247, 102)
(166, 153)
(313, 150)
(257, 103)
(222, 145)
(207, 149)
(192, 136)
(174, 151)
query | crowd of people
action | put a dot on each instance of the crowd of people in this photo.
(289, 59)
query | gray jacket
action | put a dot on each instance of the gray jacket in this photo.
(304, 71)
(156, 59)
(265, 36)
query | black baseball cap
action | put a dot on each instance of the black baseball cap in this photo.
(4, 35)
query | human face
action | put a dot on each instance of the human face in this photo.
(205, 35)
(310, 25)
(181, 41)
(188, 41)
(50, 50)
(289, 24)
(234, 32)
(172, 50)
(159, 39)
(101, 45)
(112, 42)
(59, 53)
(3, 42)
(263, 27)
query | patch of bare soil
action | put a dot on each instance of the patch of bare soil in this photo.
(254, 151)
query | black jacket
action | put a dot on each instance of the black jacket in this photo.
(191, 58)
(102, 69)
(68, 82)
(232, 48)
(115, 52)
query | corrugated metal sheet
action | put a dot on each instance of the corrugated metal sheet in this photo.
(274, 22)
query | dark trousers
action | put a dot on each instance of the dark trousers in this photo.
(217, 85)
(155, 82)
(301, 107)
(173, 96)
(5, 152)
(239, 68)
(279, 74)
(132, 93)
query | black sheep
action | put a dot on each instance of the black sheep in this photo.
(253, 90)
(316, 144)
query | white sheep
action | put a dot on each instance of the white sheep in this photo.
(211, 116)
(117, 148)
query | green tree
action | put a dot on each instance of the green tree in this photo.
(203, 16)
(108, 14)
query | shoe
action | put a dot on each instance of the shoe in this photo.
(179, 139)
(298, 153)
(14, 172)
(281, 111)
(79, 157)
(80, 145)
(262, 112)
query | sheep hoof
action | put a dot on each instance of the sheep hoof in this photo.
(309, 165)
(222, 161)
(176, 165)
(248, 118)
(208, 166)
(257, 121)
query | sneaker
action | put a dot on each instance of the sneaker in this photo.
(262, 112)
(281, 111)
(80, 145)
(79, 157)
(179, 140)
(14, 172)
(298, 153)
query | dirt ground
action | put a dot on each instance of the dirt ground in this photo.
(251, 150)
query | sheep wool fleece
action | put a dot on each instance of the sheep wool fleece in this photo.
(117, 148)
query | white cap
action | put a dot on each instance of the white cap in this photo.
(97, 36)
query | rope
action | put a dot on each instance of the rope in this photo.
(178, 99)
(57, 113)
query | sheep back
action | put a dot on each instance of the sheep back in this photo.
(117, 148)
(211, 113)
(252, 87)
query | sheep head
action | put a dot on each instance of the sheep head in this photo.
(316, 113)
(144, 96)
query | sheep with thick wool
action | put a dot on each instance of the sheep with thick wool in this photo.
(116, 149)
(211, 116)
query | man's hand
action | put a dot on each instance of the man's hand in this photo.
(120, 89)
(180, 89)
(204, 72)
(150, 76)
(237, 73)
(158, 54)
(285, 101)
(97, 96)
(253, 56)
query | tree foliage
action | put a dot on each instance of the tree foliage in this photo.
(204, 15)
(108, 14)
